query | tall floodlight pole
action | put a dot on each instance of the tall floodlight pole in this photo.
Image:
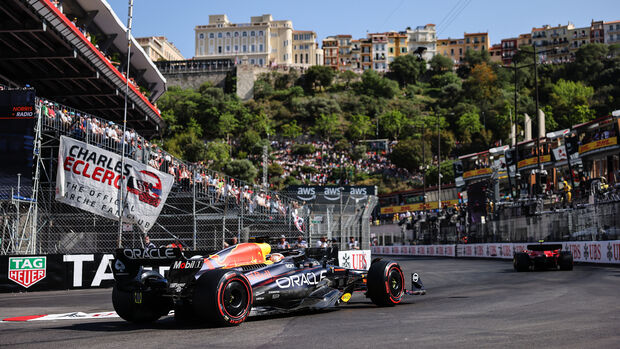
(438, 177)
(539, 170)
(121, 179)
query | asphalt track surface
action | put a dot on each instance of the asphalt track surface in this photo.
(470, 304)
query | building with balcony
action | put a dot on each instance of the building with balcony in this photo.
(612, 32)
(524, 40)
(356, 56)
(508, 50)
(456, 48)
(366, 53)
(158, 48)
(397, 46)
(344, 51)
(553, 42)
(422, 39)
(330, 52)
(496, 53)
(379, 51)
(305, 49)
(597, 32)
(578, 38)
(263, 41)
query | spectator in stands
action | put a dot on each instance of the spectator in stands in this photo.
(283, 244)
(353, 244)
(232, 242)
(301, 242)
(147, 243)
(322, 242)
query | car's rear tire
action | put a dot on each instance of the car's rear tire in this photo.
(223, 297)
(521, 261)
(139, 307)
(565, 261)
(386, 283)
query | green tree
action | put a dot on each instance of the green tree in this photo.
(441, 64)
(472, 58)
(241, 169)
(570, 103)
(360, 125)
(291, 130)
(374, 85)
(447, 173)
(408, 154)
(317, 77)
(442, 80)
(217, 154)
(327, 126)
(393, 123)
(348, 76)
(186, 145)
(227, 124)
(406, 69)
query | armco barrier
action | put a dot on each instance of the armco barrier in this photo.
(606, 252)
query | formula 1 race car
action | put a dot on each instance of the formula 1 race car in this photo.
(246, 279)
(538, 257)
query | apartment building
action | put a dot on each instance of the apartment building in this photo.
(597, 32)
(396, 46)
(305, 49)
(356, 56)
(612, 32)
(366, 53)
(496, 53)
(524, 40)
(553, 42)
(508, 50)
(158, 48)
(344, 52)
(456, 48)
(379, 51)
(578, 38)
(424, 39)
(263, 41)
(330, 52)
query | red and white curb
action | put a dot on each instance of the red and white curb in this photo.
(65, 316)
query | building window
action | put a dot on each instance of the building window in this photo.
(260, 48)
(202, 35)
(252, 33)
(244, 34)
(252, 61)
(227, 34)
(219, 49)
(236, 48)
(307, 58)
(236, 34)
(260, 33)
(260, 61)
(244, 48)
(227, 48)
(467, 40)
(252, 48)
(211, 35)
(295, 37)
(219, 35)
(295, 58)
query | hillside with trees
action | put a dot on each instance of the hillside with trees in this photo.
(471, 106)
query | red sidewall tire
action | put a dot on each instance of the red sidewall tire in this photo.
(210, 297)
(224, 313)
(386, 283)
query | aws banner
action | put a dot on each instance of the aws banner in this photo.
(89, 178)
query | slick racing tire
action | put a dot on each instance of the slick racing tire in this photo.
(565, 261)
(521, 261)
(139, 307)
(223, 297)
(386, 283)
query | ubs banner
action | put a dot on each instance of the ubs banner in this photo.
(89, 178)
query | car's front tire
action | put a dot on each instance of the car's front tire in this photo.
(386, 283)
(223, 297)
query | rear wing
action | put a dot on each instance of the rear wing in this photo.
(547, 247)
(129, 262)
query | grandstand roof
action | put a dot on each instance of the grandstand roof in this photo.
(40, 46)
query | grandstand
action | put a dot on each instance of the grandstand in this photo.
(71, 55)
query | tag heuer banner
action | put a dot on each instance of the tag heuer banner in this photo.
(88, 177)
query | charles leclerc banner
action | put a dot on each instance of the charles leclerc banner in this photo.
(88, 178)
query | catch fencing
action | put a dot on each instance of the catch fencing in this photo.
(204, 209)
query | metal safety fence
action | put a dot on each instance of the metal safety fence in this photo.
(204, 210)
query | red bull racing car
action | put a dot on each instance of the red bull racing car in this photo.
(543, 256)
(246, 279)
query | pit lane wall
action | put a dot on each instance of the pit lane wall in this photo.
(604, 252)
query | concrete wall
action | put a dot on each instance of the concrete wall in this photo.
(246, 75)
(195, 79)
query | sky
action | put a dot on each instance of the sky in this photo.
(501, 19)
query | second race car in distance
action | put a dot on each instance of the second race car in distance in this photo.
(543, 256)
(225, 288)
